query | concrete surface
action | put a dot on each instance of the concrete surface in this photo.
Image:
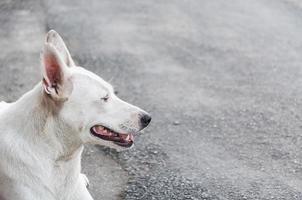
(221, 78)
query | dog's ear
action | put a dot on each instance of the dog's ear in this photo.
(56, 40)
(56, 75)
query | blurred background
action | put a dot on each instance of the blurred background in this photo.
(222, 80)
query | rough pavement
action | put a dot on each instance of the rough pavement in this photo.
(221, 78)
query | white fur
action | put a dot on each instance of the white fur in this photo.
(42, 134)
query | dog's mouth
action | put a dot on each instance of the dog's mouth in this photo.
(104, 133)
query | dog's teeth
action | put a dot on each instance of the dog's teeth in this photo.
(128, 137)
(99, 128)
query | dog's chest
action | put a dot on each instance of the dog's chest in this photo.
(66, 176)
(48, 179)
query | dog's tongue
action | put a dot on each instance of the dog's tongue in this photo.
(121, 137)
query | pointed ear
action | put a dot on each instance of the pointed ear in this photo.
(55, 39)
(56, 77)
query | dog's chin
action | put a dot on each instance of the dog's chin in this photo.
(112, 139)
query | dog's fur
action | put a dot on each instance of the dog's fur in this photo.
(42, 134)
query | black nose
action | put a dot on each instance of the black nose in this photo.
(145, 120)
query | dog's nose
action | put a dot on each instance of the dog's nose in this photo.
(145, 120)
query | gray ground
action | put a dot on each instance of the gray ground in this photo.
(222, 80)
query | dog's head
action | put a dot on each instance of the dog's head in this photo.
(86, 103)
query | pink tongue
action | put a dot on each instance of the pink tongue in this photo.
(123, 137)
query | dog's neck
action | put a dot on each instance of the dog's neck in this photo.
(41, 117)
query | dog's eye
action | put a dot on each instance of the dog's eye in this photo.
(105, 98)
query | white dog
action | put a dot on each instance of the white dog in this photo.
(42, 134)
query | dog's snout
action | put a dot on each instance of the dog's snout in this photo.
(145, 120)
